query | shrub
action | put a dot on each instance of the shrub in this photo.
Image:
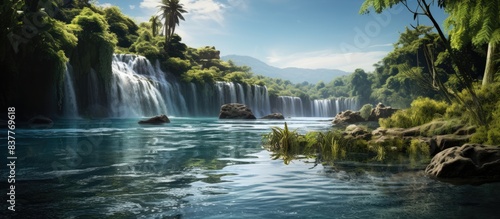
(491, 134)
(177, 66)
(366, 110)
(422, 110)
(418, 147)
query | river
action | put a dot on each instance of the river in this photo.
(210, 168)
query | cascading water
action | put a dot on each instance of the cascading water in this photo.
(290, 106)
(323, 108)
(138, 88)
(133, 94)
(330, 107)
(70, 106)
(255, 96)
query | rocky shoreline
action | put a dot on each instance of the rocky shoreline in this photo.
(454, 159)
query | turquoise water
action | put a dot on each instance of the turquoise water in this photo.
(208, 168)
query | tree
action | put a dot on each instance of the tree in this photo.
(361, 86)
(156, 25)
(462, 73)
(122, 26)
(171, 11)
(478, 22)
(475, 21)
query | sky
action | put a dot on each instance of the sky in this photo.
(312, 34)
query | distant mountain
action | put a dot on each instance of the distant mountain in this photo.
(295, 75)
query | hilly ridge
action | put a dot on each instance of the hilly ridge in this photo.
(295, 75)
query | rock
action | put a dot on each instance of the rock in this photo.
(156, 120)
(381, 111)
(274, 116)
(235, 111)
(467, 164)
(447, 141)
(357, 132)
(468, 130)
(348, 117)
(379, 131)
(40, 122)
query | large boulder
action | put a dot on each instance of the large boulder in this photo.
(381, 111)
(235, 111)
(274, 116)
(156, 120)
(348, 117)
(467, 164)
(444, 142)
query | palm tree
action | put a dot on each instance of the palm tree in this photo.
(156, 25)
(171, 11)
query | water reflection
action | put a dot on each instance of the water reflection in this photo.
(206, 168)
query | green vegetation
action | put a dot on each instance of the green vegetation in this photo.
(365, 111)
(426, 70)
(171, 12)
(422, 110)
(430, 72)
(328, 147)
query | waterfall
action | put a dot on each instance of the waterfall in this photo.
(331, 107)
(194, 99)
(133, 94)
(261, 101)
(70, 106)
(254, 96)
(323, 108)
(290, 106)
(139, 88)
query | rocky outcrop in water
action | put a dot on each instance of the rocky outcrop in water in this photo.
(274, 116)
(348, 117)
(40, 122)
(381, 111)
(235, 111)
(156, 120)
(467, 164)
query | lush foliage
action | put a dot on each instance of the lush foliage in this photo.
(365, 111)
(422, 110)
(122, 26)
(490, 96)
(328, 147)
(44, 45)
(171, 11)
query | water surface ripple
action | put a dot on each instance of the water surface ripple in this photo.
(209, 168)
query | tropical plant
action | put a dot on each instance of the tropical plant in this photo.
(122, 26)
(171, 11)
(156, 25)
(477, 22)
(422, 110)
(285, 144)
(462, 16)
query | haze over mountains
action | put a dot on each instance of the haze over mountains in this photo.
(295, 75)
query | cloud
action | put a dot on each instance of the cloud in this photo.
(105, 5)
(238, 4)
(198, 10)
(149, 4)
(205, 10)
(382, 45)
(328, 59)
(132, 7)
